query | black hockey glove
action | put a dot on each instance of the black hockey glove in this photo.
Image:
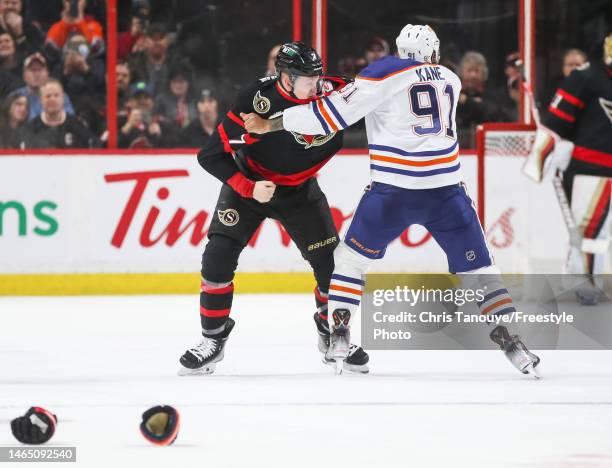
(160, 425)
(37, 426)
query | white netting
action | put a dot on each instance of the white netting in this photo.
(508, 142)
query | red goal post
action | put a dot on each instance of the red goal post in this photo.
(499, 139)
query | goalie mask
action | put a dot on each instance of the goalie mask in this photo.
(418, 42)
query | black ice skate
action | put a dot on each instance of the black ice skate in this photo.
(356, 360)
(202, 359)
(516, 352)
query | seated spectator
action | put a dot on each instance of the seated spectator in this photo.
(80, 24)
(271, 68)
(572, 59)
(9, 60)
(176, 105)
(152, 64)
(83, 77)
(376, 49)
(200, 130)
(140, 129)
(13, 117)
(513, 74)
(28, 37)
(124, 78)
(133, 40)
(54, 127)
(347, 66)
(35, 74)
(476, 103)
(8, 83)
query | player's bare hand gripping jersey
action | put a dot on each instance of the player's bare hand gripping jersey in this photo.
(409, 110)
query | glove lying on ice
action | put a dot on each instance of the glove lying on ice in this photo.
(160, 425)
(37, 426)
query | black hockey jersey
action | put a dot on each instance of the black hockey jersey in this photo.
(581, 111)
(285, 158)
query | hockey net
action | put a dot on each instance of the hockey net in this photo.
(520, 217)
(499, 139)
(506, 139)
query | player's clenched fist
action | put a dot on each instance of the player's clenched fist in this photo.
(255, 124)
(264, 191)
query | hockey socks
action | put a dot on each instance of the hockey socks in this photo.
(215, 306)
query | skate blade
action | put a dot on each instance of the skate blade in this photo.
(355, 369)
(206, 370)
(346, 367)
(533, 371)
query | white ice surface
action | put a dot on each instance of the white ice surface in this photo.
(99, 362)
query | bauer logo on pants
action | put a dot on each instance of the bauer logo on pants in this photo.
(470, 255)
(228, 217)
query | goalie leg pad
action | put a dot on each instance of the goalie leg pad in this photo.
(590, 204)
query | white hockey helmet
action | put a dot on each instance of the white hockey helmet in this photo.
(418, 42)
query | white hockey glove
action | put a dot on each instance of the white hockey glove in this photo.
(549, 151)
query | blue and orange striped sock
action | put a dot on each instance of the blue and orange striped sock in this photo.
(497, 302)
(345, 292)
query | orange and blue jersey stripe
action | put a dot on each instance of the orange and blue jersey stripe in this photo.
(387, 159)
(323, 110)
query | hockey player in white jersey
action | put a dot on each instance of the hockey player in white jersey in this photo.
(409, 103)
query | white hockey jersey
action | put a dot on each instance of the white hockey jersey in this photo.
(409, 110)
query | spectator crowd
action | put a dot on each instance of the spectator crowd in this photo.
(53, 81)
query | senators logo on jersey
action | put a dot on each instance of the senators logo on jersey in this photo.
(261, 104)
(312, 140)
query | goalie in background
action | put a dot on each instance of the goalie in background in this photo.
(576, 140)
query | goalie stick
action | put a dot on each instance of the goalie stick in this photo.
(566, 211)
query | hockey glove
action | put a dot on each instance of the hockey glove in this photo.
(37, 426)
(160, 425)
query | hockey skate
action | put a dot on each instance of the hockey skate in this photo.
(357, 358)
(516, 352)
(202, 359)
(588, 294)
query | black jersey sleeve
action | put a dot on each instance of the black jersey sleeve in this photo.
(567, 104)
(217, 157)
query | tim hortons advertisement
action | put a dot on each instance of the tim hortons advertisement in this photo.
(95, 214)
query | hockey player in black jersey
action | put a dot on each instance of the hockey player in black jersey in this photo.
(267, 176)
(581, 113)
